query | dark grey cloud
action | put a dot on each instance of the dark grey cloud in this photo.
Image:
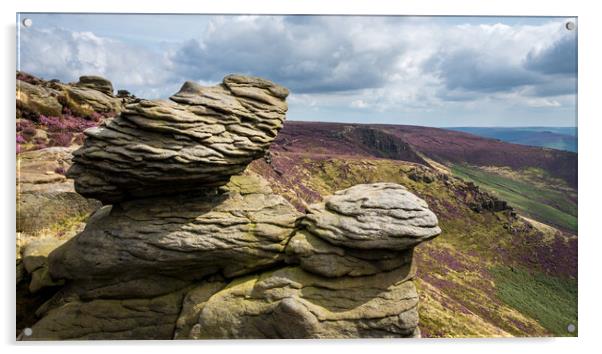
(469, 70)
(559, 58)
(479, 70)
(556, 86)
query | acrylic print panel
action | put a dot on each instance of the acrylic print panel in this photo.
(204, 176)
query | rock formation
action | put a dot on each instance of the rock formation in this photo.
(90, 95)
(45, 196)
(353, 278)
(190, 245)
(200, 138)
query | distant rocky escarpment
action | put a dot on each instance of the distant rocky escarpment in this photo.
(190, 245)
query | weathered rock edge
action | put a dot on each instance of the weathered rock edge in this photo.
(199, 138)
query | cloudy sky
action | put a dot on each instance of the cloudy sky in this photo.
(434, 71)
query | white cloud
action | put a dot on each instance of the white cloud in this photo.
(359, 104)
(66, 55)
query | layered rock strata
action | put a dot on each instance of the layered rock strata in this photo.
(349, 276)
(199, 138)
(192, 247)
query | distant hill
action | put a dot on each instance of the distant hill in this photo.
(495, 271)
(408, 143)
(560, 138)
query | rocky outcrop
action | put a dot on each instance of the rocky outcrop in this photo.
(45, 196)
(200, 138)
(89, 96)
(183, 237)
(350, 274)
(373, 216)
(38, 99)
(192, 247)
(480, 201)
(362, 230)
(86, 101)
(97, 83)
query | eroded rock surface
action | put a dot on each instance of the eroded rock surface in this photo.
(90, 95)
(185, 237)
(353, 276)
(38, 99)
(373, 216)
(192, 247)
(144, 318)
(291, 303)
(199, 138)
(45, 196)
(320, 257)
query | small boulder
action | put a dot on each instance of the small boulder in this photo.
(373, 216)
(97, 83)
(37, 99)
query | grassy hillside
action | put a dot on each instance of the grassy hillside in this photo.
(550, 300)
(541, 202)
(464, 288)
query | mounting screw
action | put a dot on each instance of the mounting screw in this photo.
(570, 25)
(27, 22)
(571, 328)
(28, 332)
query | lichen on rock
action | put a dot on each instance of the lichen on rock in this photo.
(291, 303)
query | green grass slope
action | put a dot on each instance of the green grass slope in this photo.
(540, 201)
(550, 300)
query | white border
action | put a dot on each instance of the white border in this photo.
(590, 245)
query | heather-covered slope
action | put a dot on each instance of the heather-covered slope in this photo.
(533, 192)
(489, 274)
(457, 147)
(540, 183)
(441, 145)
